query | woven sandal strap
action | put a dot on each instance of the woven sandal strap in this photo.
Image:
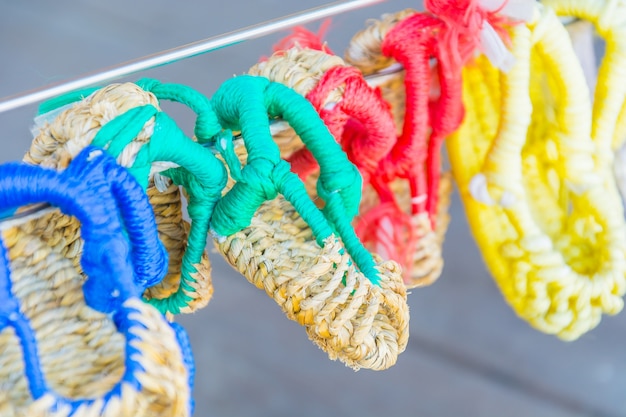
(243, 103)
(95, 189)
(415, 148)
(207, 125)
(502, 168)
(608, 17)
(200, 173)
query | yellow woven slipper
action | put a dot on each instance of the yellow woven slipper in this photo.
(553, 238)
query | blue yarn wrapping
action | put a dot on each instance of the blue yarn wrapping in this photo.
(81, 190)
(97, 192)
(185, 346)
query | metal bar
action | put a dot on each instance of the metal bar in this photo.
(181, 52)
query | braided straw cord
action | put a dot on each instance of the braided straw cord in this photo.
(562, 285)
(59, 141)
(80, 350)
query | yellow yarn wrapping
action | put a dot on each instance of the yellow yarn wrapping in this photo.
(549, 222)
(609, 107)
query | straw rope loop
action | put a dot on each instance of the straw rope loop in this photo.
(207, 125)
(200, 173)
(243, 103)
(81, 190)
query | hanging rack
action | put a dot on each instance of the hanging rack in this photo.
(185, 51)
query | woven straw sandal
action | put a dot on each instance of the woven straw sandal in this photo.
(360, 120)
(310, 262)
(125, 118)
(70, 347)
(407, 40)
(554, 241)
(609, 104)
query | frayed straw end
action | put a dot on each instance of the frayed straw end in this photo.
(304, 38)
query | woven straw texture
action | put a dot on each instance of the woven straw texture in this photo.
(81, 352)
(364, 52)
(361, 324)
(60, 140)
(546, 218)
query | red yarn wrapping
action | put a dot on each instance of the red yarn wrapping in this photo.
(304, 38)
(464, 20)
(371, 129)
(412, 42)
(363, 123)
(452, 37)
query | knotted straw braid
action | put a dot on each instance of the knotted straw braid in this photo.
(360, 121)
(75, 347)
(560, 281)
(609, 106)
(312, 264)
(126, 119)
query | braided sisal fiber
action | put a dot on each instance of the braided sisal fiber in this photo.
(553, 240)
(292, 253)
(60, 140)
(106, 355)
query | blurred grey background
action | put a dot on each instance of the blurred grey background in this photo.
(469, 355)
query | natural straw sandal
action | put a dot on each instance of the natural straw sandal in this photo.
(361, 122)
(70, 347)
(609, 104)
(311, 263)
(554, 241)
(407, 40)
(125, 118)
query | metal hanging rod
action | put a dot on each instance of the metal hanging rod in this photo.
(181, 52)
